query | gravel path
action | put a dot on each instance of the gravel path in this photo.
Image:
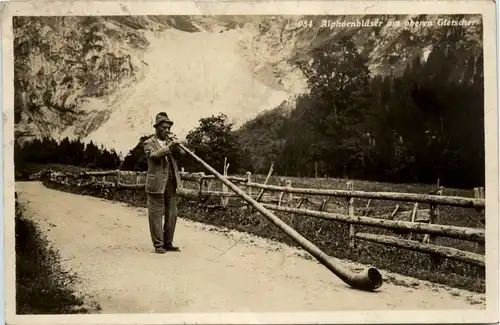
(107, 244)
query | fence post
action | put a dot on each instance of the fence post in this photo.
(249, 188)
(249, 180)
(182, 179)
(350, 207)
(210, 183)
(290, 194)
(202, 182)
(429, 239)
(117, 182)
(224, 199)
(479, 194)
(290, 202)
(433, 218)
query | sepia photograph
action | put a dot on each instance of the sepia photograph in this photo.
(255, 160)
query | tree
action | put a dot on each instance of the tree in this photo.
(91, 155)
(213, 140)
(136, 159)
(338, 77)
(74, 153)
(262, 139)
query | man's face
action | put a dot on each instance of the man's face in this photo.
(162, 130)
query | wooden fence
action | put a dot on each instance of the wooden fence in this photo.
(289, 199)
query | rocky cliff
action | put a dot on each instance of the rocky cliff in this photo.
(103, 78)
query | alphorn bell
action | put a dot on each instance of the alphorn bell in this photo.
(369, 280)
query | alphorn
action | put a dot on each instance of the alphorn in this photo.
(368, 280)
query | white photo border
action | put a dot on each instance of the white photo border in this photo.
(486, 8)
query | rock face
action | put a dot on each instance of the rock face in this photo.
(61, 61)
(87, 77)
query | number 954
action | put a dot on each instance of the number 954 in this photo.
(304, 23)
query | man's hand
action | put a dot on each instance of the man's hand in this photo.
(179, 149)
(172, 144)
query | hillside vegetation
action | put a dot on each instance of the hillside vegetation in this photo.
(424, 125)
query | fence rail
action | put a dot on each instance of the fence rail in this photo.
(393, 196)
(427, 225)
(452, 253)
(470, 234)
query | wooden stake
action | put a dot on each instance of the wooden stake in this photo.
(393, 214)
(413, 215)
(302, 199)
(367, 208)
(265, 182)
(280, 198)
(323, 205)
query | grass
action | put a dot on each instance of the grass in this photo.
(331, 236)
(42, 285)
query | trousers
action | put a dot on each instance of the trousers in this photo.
(162, 215)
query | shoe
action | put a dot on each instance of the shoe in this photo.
(172, 248)
(160, 250)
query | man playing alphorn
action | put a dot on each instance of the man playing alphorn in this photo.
(161, 184)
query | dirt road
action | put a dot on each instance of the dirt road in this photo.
(107, 244)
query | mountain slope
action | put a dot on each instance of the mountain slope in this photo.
(104, 78)
(190, 76)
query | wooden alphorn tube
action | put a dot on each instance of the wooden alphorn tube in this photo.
(368, 280)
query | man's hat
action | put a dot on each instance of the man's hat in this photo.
(162, 117)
